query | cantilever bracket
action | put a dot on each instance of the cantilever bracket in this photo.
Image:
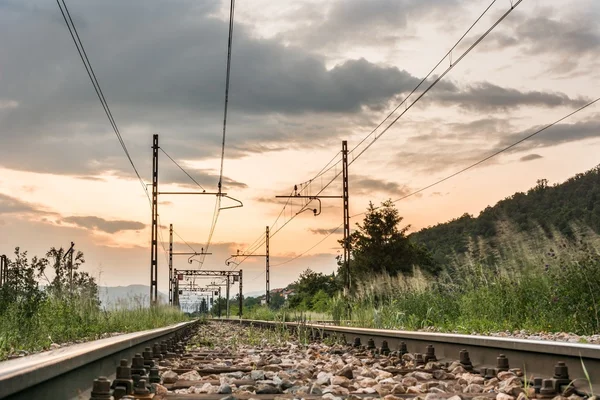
(227, 262)
(236, 206)
(314, 210)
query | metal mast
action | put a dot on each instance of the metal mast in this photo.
(154, 238)
(345, 196)
(268, 281)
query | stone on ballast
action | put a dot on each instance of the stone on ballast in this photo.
(392, 397)
(409, 381)
(473, 388)
(504, 396)
(170, 377)
(346, 371)
(398, 389)
(190, 376)
(368, 382)
(268, 389)
(439, 374)
(504, 375)
(413, 390)
(422, 376)
(224, 389)
(257, 374)
(340, 381)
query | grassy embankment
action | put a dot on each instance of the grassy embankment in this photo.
(534, 284)
(61, 321)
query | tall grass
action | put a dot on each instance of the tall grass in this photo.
(532, 283)
(265, 313)
(67, 320)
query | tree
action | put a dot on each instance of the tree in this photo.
(380, 245)
(21, 286)
(308, 285)
(68, 280)
(277, 301)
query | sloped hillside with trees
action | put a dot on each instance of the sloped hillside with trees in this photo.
(552, 209)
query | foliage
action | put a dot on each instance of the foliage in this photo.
(310, 289)
(68, 280)
(380, 246)
(67, 309)
(553, 209)
(552, 290)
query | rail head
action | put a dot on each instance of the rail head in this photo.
(24, 372)
(584, 350)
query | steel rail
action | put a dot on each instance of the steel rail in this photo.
(68, 372)
(535, 357)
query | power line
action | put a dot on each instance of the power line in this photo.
(465, 169)
(227, 79)
(217, 209)
(306, 251)
(493, 154)
(181, 168)
(325, 169)
(92, 75)
(186, 243)
(434, 83)
(408, 107)
(426, 76)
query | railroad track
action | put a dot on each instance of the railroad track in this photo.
(244, 359)
(69, 372)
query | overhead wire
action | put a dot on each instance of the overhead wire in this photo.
(92, 75)
(183, 240)
(217, 209)
(408, 107)
(183, 170)
(309, 249)
(504, 149)
(328, 167)
(66, 14)
(433, 84)
(465, 169)
(100, 94)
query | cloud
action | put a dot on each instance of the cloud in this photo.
(13, 205)
(367, 185)
(557, 134)
(486, 96)
(6, 104)
(568, 38)
(168, 79)
(442, 147)
(530, 157)
(323, 231)
(100, 224)
(337, 25)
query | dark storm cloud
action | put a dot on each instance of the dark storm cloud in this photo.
(100, 224)
(486, 96)
(162, 70)
(530, 157)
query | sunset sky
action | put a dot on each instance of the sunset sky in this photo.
(305, 75)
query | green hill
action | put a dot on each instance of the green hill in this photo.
(555, 209)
